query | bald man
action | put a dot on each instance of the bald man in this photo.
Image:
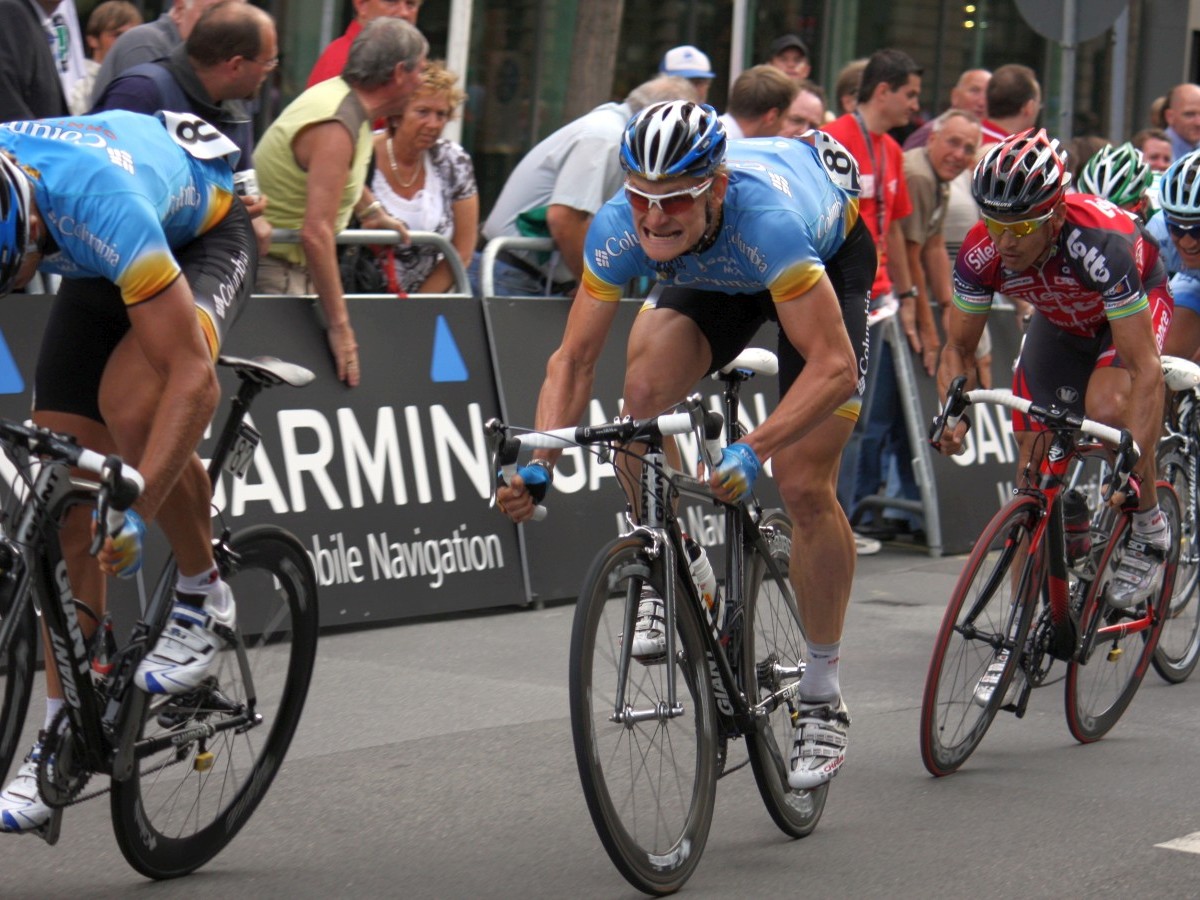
(1183, 118)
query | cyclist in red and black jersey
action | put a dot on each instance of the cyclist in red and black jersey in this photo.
(1102, 306)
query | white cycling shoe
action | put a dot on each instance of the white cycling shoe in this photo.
(650, 630)
(21, 806)
(819, 749)
(187, 648)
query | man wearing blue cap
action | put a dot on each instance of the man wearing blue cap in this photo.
(690, 63)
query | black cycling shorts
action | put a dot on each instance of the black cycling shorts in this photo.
(89, 318)
(730, 321)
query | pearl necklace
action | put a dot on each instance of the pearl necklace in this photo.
(396, 171)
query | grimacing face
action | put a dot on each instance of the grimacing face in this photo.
(664, 237)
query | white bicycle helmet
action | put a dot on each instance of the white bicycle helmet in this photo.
(673, 139)
(1179, 190)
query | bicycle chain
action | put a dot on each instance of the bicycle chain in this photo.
(56, 789)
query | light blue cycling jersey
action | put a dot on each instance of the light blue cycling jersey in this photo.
(117, 192)
(783, 217)
(1185, 282)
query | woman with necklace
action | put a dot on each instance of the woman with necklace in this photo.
(428, 183)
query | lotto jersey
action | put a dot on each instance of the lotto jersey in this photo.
(118, 193)
(1101, 268)
(782, 218)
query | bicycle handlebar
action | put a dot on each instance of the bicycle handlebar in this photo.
(507, 447)
(123, 483)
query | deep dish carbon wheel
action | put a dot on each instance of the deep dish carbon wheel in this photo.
(1178, 648)
(18, 658)
(1108, 669)
(772, 647)
(184, 803)
(650, 780)
(986, 621)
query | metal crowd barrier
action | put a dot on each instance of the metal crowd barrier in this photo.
(462, 282)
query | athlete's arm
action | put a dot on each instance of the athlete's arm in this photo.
(814, 326)
(1133, 338)
(168, 333)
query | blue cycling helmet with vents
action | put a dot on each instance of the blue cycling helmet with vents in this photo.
(14, 221)
(1179, 190)
(673, 139)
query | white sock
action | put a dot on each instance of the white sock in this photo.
(53, 705)
(206, 585)
(1150, 525)
(820, 679)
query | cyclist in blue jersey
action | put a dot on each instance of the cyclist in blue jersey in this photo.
(138, 215)
(737, 233)
(1176, 227)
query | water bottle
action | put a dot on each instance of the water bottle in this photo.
(103, 650)
(1076, 525)
(706, 582)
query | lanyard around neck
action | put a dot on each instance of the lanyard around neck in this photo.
(878, 168)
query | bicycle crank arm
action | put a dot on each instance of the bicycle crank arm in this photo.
(774, 700)
(177, 739)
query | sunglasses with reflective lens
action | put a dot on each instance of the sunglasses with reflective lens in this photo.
(1017, 229)
(1184, 229)
(675, 203)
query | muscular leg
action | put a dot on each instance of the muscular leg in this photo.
(1107, 400)
(823, 558)
(129, 395)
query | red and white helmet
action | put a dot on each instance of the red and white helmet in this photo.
(1023, 175)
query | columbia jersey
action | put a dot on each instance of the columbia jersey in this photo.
(117, 192)
(1101, 268)
(1185, 281)
(788, 209)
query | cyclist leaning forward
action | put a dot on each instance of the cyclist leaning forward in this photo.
(157, 255)
(1102, 306)
(735, 234)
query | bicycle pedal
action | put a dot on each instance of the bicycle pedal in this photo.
(51, 830)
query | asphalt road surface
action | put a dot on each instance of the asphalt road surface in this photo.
(434, 760)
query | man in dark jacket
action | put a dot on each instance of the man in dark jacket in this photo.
(29, 84)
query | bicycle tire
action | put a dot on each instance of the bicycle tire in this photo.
(977, 620)
(772, 650)
(173, 815)
(18, 657)
(650, 785)
(1178, 648)
(1100, 683)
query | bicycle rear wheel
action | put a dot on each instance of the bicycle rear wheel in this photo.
(989, 613)
(772, 648)
(650, 783)
(1106, 671)
(18, 660)
(184, 803)
(1178, 648)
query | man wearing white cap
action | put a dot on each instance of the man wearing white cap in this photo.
(688, 62)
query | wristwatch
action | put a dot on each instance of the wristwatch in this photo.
(911, 292)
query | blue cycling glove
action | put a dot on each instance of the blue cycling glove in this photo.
(127, 543)
(538, 479)
(738, 469)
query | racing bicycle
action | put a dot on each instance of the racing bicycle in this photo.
(1026, 599)
(651, 736)
(185, 772)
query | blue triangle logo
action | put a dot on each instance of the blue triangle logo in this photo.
(447, 363)
(11, 381)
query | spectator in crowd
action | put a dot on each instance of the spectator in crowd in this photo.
(806, 112)
(29, 85)
(968, 94)
(151, 41)
(312, 163)
(845, 89)
(690, 63)
(63, 35)
(428, 183)
(1182, 115)
(1155, 145)
(758, 101)
(888, 96)
(1014, 100)
(1156, 116)
(223, 63)
(559, 186)
(108, 21)
(333, 58)
(789, 55)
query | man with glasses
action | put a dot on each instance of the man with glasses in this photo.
(223, 63)
(769, 230)
(1102, 305)
(1176, 227)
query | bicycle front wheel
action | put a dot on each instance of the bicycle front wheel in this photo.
(1178, 648)
(18, 659)
(1108, 668)
(772, 648)
(985, 623)
(649, 773)
(185, 801)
